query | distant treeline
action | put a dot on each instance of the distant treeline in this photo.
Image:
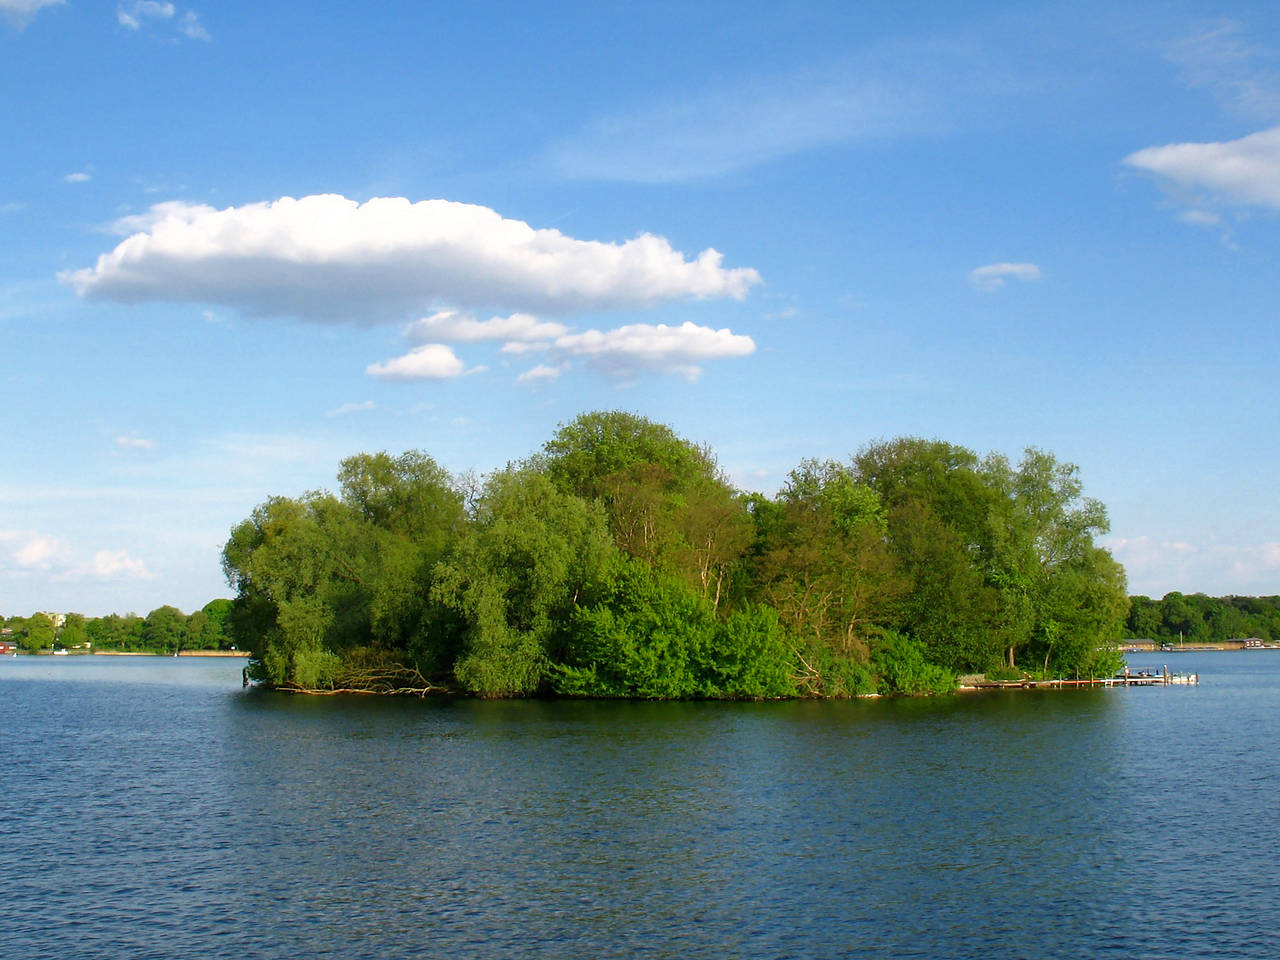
(619, 562)
(1197, 618)
(164, 630)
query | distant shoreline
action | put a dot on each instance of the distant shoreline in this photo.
(1154, 646)
(182, 653)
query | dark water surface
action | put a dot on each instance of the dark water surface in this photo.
(150, 808)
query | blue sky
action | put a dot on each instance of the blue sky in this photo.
(240, 242)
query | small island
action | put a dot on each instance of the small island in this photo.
(619, 561)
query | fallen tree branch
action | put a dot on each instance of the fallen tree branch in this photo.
(389, 680)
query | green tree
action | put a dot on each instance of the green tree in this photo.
(1182, 618)
(1043, 531)
(901, 666)
(1081, 617)
(822, 559)
(217, 632)
(534, 553)
(115, 632)
(586, 455)
(665, 498)
(38, 634)
(73, 633)
(949, 605)
(200, 633)
(411, 496)
(653, 636)
(165, 630)
(1144, 622)
(330, 587)
(301, 569)
(984, 546)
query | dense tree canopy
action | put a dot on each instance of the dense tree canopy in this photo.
(39, 632)
(619, 561)
(165, 630)
(1196, 618)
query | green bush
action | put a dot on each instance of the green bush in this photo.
(899, 663)
(1001, 672)
(655, 638)
(824, 672)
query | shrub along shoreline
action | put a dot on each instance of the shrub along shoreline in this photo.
(618, 561)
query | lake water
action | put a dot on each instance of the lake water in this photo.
(151, 808)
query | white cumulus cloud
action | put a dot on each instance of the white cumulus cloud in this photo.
(1244, 172)
(994, 275)
(29, 550)
(433, 361)
(454, 327)
(24, 552)
(112, 565)
(328, 258)
(643, 347)
(21, 12)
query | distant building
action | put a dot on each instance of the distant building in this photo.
(7, 648)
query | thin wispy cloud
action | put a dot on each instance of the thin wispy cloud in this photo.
(349, 408)
(327, 258)
(134, 14)
(898, 89)
(134, 442)
(80, 176)
(189, 26)
(1201, 218)
(137, 15)
(19, 13)
(1214, 568)
(456, 327)
(1243, 74)
(542, 373)
(994, 276)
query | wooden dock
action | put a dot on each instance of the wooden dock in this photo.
(1129, 678)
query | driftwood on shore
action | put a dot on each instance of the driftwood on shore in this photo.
(393, 680)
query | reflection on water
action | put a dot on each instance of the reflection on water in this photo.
(155, 809)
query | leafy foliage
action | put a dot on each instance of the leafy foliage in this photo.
(533, 554)
(620, 562)
(653, 637)
(903, 667)
(1197, 618)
